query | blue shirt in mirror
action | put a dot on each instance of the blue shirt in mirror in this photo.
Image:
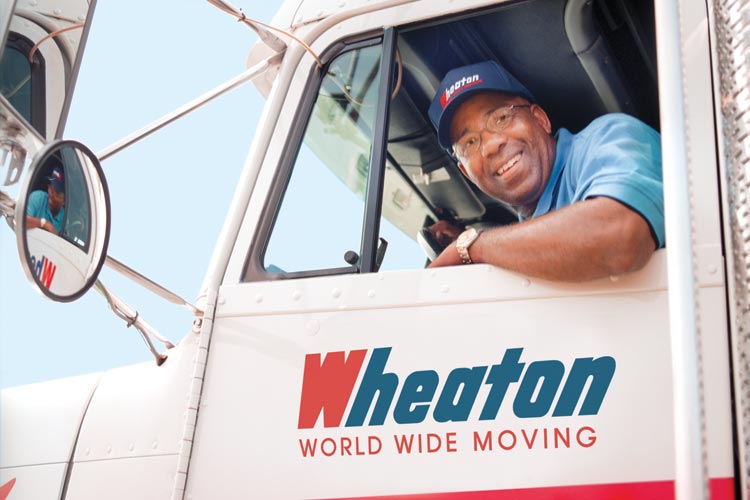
(38, 206)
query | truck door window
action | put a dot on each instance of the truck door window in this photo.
(77, 227)
(319, 226)
(321, 214)
(22, 82)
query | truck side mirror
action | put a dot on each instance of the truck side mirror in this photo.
(62, 220)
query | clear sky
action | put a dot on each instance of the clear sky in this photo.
(169, 193)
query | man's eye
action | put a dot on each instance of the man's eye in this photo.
(502, 118)
(469, 143)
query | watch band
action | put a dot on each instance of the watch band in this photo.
(44, 221)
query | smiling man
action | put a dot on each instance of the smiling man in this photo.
(46, 209)
(590, 204)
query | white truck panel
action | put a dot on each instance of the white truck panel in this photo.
(441, 320)
(700, 133)
(39, 423)
(34, 482)
(142, 478)
(139, 410)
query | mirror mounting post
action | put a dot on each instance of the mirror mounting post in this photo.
(8, 209)
(132, 318)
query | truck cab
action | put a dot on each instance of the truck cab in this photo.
(328, 361)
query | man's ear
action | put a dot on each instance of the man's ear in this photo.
(463, 169)
(541, 117)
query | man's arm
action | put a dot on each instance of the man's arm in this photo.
(587, 240)
(33, 222)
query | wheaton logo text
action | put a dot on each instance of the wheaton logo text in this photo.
(44, 270)
(457, 87)
(329, 383)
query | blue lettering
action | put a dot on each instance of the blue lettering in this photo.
(466, 380)
(538, 389)
(601, 370)
(374, 380)
(36, 266)
(500, 377)
(549, 374)
(419, 387)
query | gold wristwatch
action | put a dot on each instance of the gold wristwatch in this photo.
(464, 241)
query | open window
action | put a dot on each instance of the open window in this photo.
(369, 174)
(22, 80)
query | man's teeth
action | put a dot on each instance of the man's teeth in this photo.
(510, 163)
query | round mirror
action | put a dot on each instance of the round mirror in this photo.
(62, 220)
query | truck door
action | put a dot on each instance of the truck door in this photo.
(342, 368)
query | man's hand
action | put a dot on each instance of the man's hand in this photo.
(49, 227)
(449, 257)
(444, 232)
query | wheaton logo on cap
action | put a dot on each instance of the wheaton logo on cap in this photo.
(457, 87)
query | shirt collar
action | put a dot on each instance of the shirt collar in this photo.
(562, 151)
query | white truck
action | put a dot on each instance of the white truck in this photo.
(326, 361)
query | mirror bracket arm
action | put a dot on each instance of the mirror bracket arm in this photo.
(150, 285)
(133, 318)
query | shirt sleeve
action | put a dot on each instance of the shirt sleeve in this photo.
(626, 165)
(35, 204)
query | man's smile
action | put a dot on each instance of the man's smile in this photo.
(508, 165)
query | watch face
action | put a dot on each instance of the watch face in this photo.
(466, 238)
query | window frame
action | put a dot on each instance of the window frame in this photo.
(253, 269)
(85, 192)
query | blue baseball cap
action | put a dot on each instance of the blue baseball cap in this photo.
(57, 180)
(460, 83)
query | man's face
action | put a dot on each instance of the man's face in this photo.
(56, 200)
(514, 164)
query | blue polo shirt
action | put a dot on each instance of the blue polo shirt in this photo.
(38, 206)
(616, 156)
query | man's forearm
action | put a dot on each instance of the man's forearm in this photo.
(587, 240)
(34, 222)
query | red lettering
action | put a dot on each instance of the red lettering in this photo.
(485, 444)
(327, 387)
(356, 447)
(428, 443)
(565, 438)
(48, 272)
(591, 438)
(500, 440)
(402, 445)
(529, 442)
(370, 448)
(433, 443)
(332, 447)
(5, 489)
(343, 446)
(346, 443)
(308, 447)
(450, 442)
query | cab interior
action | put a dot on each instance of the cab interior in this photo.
(579, 58)
(593, 58)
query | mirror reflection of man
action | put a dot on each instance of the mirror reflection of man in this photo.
(46, 209)
(590, 204)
